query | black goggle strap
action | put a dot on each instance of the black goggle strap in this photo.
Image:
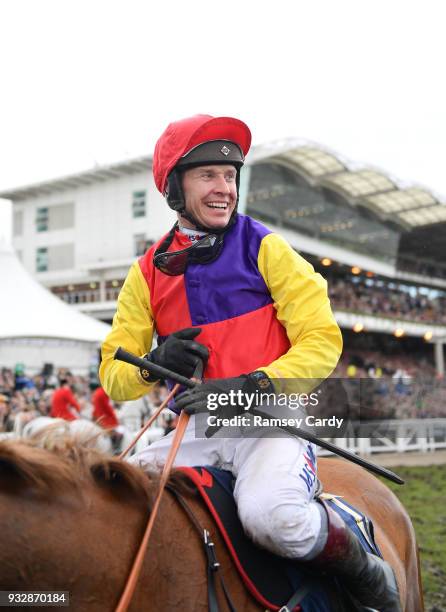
(163, 247)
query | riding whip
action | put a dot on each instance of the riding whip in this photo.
(123, 355)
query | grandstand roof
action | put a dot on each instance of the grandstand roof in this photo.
(28, 310)
(80, 179)
(316, 192)
(365, 187)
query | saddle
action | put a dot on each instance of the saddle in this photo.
(275, 582)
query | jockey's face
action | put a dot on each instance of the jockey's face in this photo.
(210, 194)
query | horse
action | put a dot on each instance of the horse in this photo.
(49, 432)
(72, 520)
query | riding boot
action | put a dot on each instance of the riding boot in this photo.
(368, 578)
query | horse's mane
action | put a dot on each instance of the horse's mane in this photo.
(23, 465)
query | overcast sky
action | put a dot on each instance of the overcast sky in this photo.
(85, 83)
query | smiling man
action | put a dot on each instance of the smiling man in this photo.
(223, 289)
(211, 195)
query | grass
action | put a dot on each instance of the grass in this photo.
(424, 497)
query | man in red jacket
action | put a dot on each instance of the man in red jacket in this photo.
(63, 402)
(103, 412)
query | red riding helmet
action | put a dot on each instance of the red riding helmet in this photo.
(181, 137)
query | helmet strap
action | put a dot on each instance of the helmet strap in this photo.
(174, 193)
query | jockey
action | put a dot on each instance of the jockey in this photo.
(222, 288)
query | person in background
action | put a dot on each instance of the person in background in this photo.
(21, 380)
(4, 412)
(170, 422)
(104, 414)
(64, 403)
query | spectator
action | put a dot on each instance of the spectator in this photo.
(103, 411)
(22, 381)
(4, 412)
(169, 423)
(63, 401)
(386, 299)
(105, 415)
(351, 370)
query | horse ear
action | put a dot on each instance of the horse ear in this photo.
(12, 474)
(17, 468)
(23, 465)
(121, 477)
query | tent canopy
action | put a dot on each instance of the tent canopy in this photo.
(28, 310)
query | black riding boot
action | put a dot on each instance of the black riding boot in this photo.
(369, 579)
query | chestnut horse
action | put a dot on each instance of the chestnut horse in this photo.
(73, 519)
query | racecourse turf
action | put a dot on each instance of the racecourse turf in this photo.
(424, 497)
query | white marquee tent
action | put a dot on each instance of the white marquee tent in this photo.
(36, 327)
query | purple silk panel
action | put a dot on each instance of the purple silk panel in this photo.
(232, 285)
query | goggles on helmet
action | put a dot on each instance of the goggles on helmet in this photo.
(173, 263)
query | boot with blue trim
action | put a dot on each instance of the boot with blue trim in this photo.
(368, 578)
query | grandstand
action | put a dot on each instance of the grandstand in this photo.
(378, 244)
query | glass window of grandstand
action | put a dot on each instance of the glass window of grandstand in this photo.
(42, 259)
(139, 204)
(42, 218)
(139, 244)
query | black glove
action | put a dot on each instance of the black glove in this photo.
(179, 353)
(236, 394)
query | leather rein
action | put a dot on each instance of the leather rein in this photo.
(135, 571)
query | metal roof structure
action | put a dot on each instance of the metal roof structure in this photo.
(316, 192)
(80, 179)
(365, 187)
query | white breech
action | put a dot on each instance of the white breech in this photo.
(274, 486)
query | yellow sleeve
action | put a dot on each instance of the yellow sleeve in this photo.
(132, 329)
(302, 305)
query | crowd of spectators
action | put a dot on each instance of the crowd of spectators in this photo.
(393, 387)
(369, 296)
(423, 268)
(23, 398)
